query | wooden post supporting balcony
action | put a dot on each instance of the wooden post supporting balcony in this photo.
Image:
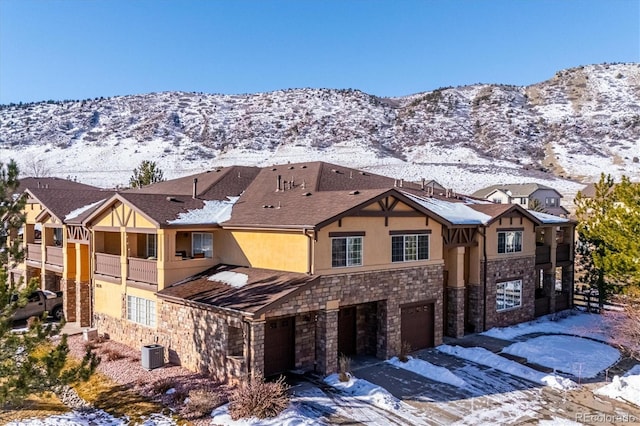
(143, 270)
(108, 264)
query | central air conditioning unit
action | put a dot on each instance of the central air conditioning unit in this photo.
(152, 356)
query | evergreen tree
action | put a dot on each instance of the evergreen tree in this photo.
(146, 174)
(31, 362)
(609, 236)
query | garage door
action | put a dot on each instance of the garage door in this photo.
(279, 346)
(417, 325)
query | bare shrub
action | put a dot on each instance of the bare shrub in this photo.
(202, 402)
(344, 367)
(163, 385)
(89, 346)
(112, 354)
(257, 398)
(405, 350)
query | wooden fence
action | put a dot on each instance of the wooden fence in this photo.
(590, 302)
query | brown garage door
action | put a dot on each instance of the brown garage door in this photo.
(279, 346)
(417, 325)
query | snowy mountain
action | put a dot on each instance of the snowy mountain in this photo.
(561, 131)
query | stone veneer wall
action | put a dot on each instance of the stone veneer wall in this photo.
(68, 288)
(511, 269)
(192, 337)
(389, 289)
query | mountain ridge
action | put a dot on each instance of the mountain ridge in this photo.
(582, 121)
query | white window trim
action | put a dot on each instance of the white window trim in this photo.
(348, 264)
(404, 253)
(193, 250)
(141, 311)
(505, 242)
(504, 284)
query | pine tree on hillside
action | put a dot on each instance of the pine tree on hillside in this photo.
(147, 173)
(31, 362)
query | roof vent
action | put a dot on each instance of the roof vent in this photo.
(274, 169)
(303, 167)
(362, 173)
(354, 192)
(335, 171)
(291, 167)
(306, 194)
(170, 198)
(267, 206)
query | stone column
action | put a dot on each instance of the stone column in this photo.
(256, 349)
(327, 339)
(455, 293)
(69, 299)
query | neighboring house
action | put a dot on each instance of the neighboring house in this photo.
(523, 194)
(55, 251)
(244, 270)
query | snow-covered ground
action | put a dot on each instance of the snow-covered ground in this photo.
(358, 400)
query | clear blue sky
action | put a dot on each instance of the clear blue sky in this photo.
(68, 49)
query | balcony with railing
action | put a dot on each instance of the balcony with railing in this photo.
(53, 256)
(142, 270)
(34, 252)
(108, 264)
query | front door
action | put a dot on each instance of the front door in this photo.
(347, 331)
(279, 346)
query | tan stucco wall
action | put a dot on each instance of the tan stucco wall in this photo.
(108, 298)
(281, 250)
(528, 237)
(376, 251)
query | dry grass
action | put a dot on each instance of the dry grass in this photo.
(35, 406)
(202, 402)
(405, 350)
(257, 398)
(344, 368)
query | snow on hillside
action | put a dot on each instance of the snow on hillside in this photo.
(565, 130)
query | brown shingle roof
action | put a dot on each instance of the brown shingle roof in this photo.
(51, 183)
(159, 207)
(215, 184)
(264, 289)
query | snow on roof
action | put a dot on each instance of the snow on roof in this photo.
(234, 279)
(548, 218)
(456, 213)
(77, 212)
(214, 211)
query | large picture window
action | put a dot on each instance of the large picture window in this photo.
(346, 251)
(202, 244)
(141, 311)
(509, 241)
(508, 295)
(405, 248)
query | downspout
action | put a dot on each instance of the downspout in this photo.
(247, 325)
(309, 251)
(484, 277)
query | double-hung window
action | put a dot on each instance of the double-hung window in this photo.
(346, 251)
(141, 311)
(151, 245)
(405, 248)
(202, 244)
(508, 295)
(509, 241)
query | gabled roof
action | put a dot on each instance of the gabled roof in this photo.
(309, 194)
(60, 202)
(242, 289)
(51, 183)
(496, 211)
(515, 189)
(216, 184)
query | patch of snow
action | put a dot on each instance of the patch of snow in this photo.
(365, 390)
(456, 213)
(234, 279)
(213, 212)
(548, 218)
(92, 418)
(488, 358)
(568, 354)
(577, 324)
(77, 212)
(625, 388)
(428, 370)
